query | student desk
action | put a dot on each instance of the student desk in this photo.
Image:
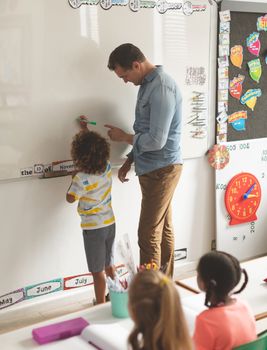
(255, 294)
(21, 339)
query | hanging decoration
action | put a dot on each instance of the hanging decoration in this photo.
(236, 55)
(237, 120)
(218, 156)
(255, 69)
(254, 44)
(262, 23)
(236, 84)
(250, 98)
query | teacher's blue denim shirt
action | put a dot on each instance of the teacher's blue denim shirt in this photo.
(157, 126)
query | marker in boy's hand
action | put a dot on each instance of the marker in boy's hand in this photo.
(84, 121)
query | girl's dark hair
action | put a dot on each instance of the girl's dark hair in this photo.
(124, 56)
(90, 152)
(220, 273)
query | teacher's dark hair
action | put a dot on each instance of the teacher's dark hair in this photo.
(124, 56)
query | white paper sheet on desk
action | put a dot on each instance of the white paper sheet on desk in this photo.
(193, 306)
(195, 302)
(72, 343)
(106, 336)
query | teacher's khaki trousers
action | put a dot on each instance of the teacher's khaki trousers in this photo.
(155, 232)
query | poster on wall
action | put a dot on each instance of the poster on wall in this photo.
(246, 98)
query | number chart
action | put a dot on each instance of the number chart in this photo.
(241, 190)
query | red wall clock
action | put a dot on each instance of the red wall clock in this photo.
(242, 198)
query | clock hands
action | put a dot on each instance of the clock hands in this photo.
(247, 194)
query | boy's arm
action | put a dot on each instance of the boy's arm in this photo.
(70, 197)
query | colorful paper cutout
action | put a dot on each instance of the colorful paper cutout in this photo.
(238, 120)
(262, 23)
(255, 69)
(254, 44)
(218, 156)
(235, 87)
(239, 125)
(236, 55)
(250, 98)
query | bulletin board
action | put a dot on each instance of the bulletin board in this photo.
(53, 68)
(242, 25)
(245, 37)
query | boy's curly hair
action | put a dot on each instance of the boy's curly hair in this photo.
(90, 152)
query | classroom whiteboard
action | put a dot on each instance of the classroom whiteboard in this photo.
(53, 68)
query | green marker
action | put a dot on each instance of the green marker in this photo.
(85, 120)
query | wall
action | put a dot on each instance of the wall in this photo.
(40, 235)
(41, 239)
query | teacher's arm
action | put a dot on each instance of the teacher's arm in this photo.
(117, 134)
(124, 169)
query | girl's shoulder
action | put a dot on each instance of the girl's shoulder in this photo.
(235, 305)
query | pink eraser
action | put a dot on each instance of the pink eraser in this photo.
(60, 330)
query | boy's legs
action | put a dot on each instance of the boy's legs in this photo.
(110, 269)
(98, 244)
(99, 286)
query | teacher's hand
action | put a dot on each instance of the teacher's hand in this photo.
(122, 173)
(117, 134)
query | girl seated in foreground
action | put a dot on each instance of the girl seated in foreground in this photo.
(228, 322)
(155, 307)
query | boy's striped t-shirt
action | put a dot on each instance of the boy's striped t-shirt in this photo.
(94, 195)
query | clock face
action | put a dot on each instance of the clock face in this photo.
(242, 198)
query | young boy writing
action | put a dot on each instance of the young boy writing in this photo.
(91, 186)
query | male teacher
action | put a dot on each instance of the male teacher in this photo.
(156, 151)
